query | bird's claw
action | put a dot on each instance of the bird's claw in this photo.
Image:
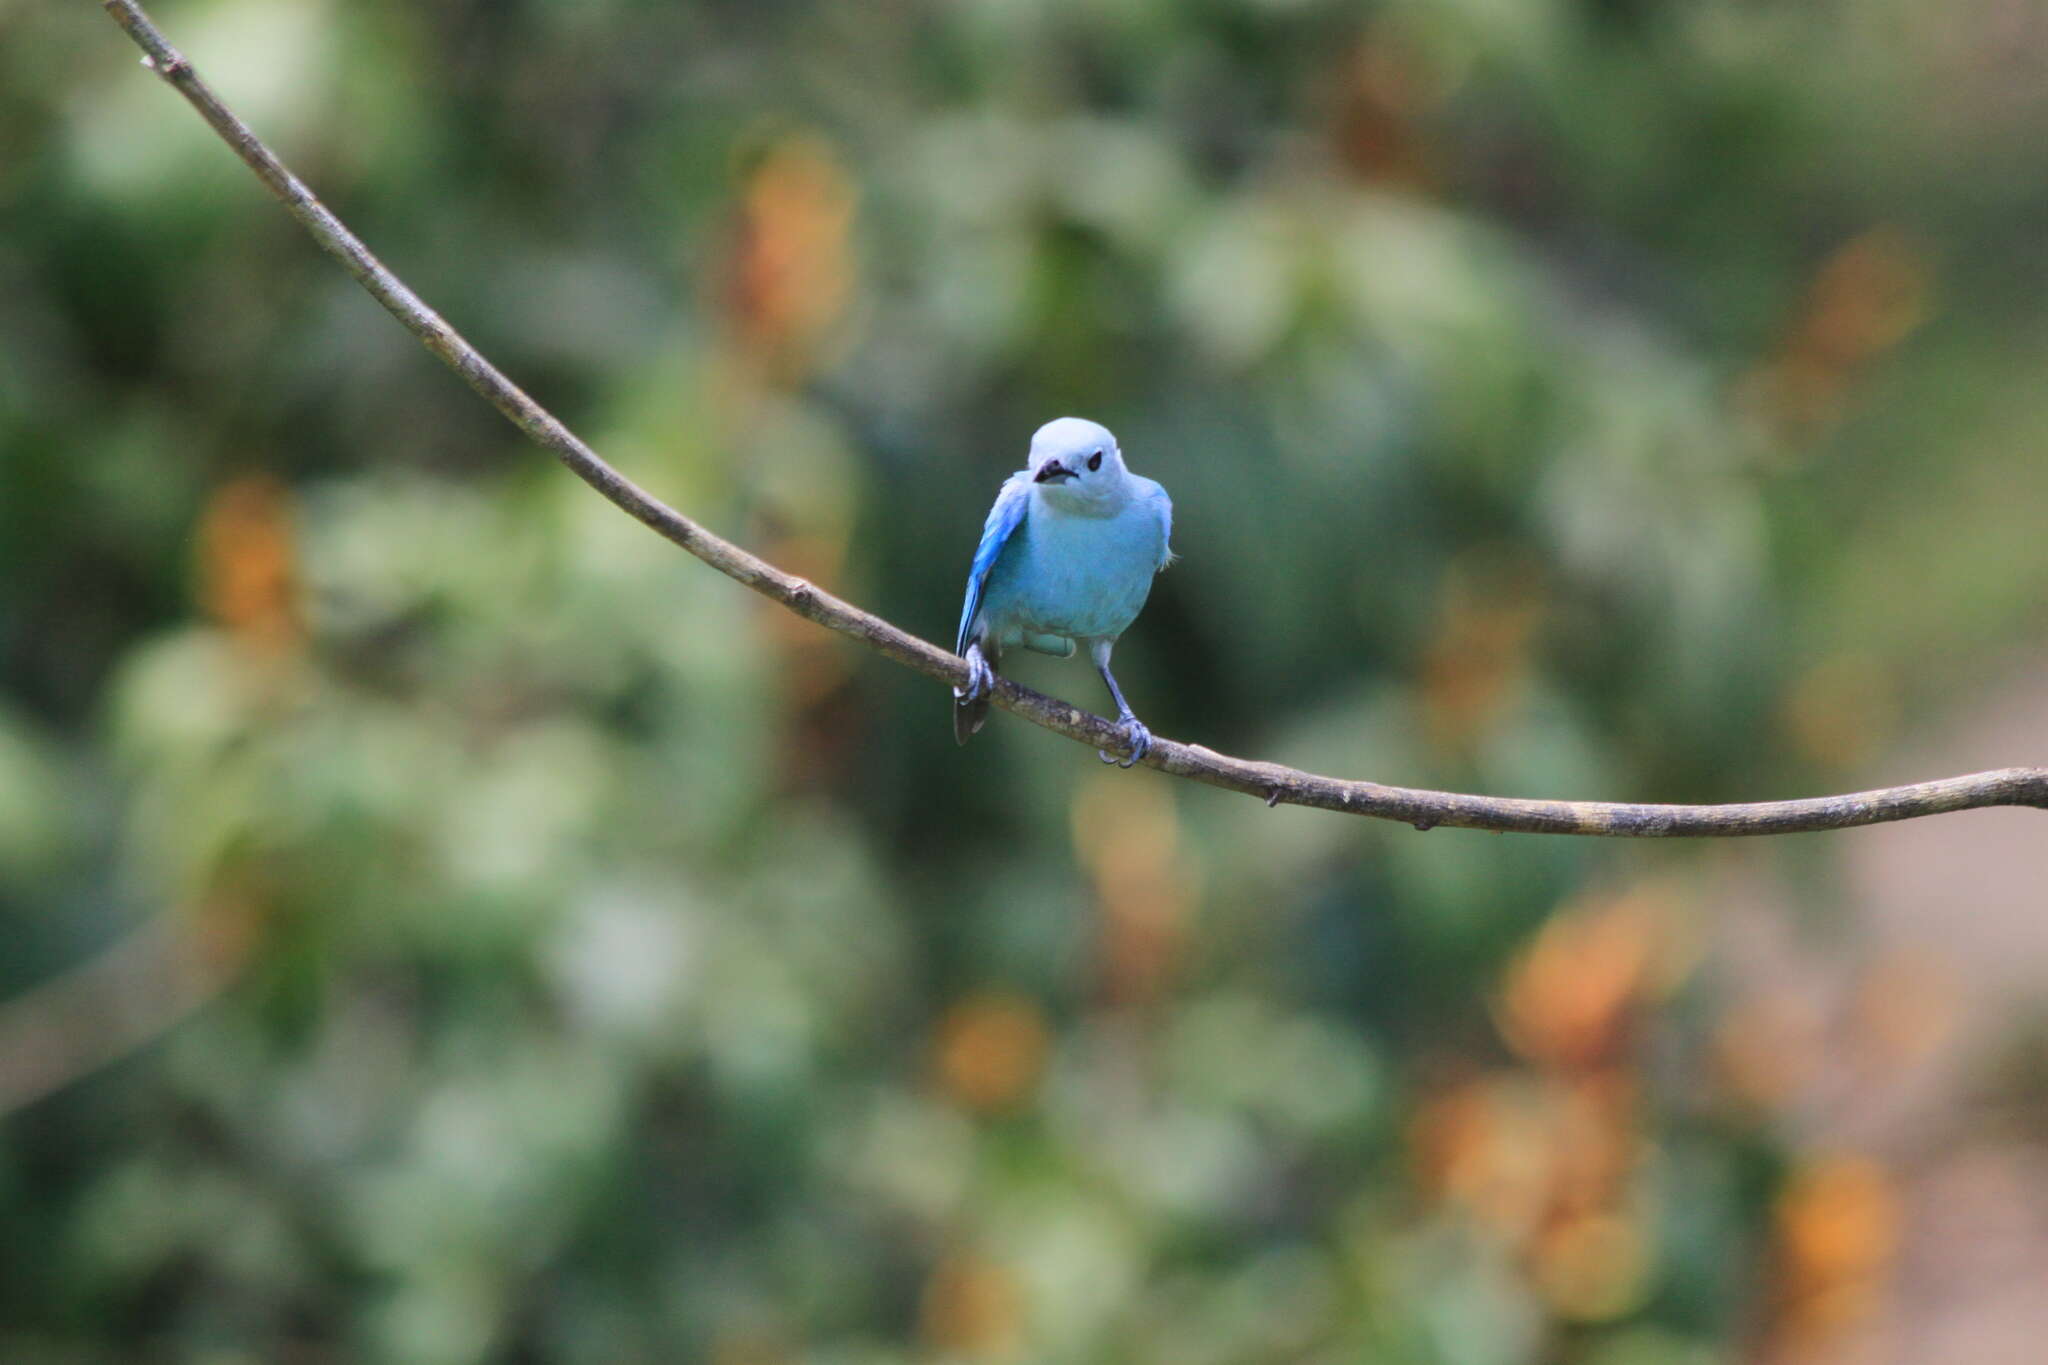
(981, 679)
(1134, 734)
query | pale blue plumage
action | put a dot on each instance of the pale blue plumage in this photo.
(1067, 555)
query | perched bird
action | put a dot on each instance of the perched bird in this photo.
(1067, 555)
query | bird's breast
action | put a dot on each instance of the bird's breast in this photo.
(1080, 577)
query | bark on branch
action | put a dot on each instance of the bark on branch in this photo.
(1269, 781)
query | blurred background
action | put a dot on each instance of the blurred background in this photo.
(440, 922)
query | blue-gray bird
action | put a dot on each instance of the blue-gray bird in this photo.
(1068, 554)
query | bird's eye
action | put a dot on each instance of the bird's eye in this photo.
(1095, 460)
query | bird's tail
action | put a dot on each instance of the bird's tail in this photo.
(968, 715)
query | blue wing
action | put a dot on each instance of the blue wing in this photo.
(1165, 506)
(1003, 518)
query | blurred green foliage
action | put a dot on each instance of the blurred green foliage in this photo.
(1592, 398)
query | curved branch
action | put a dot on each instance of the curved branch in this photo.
(1276, 784)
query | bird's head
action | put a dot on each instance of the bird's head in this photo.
(1076, 461)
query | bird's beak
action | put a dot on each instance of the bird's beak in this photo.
(1053, 472)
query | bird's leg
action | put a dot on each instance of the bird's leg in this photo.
(970, 703)
(981, 678)
(1135, 735)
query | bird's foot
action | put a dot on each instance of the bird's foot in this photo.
(981, 679)
(1134, 734)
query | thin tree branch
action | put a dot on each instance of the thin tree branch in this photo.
(1271, 781)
